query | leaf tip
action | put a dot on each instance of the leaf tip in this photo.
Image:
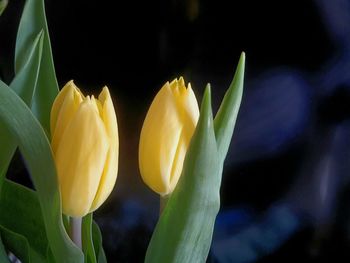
(241, 63)
(206, 101)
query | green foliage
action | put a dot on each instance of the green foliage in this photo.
(18, 244)
(226, 116)
(3, 254)
(97, 239)
(33, 20)
(24, 85)
(22, 203)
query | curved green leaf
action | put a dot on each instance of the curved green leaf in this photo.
(25, 81)
(33, 20)
(226, 116)
(21, 203)
(184, 230)
(3, 254)
(17, 244)
(24, 85)
(97, 240)
(20, 246)
(35, 148)
(3, 4)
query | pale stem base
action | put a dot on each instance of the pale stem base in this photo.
(75, 227)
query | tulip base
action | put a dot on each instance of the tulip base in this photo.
(75, 230)
(162, 203)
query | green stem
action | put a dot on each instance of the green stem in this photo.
(75, 230)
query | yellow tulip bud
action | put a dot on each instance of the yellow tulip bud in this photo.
(166, 134)
(85, 145)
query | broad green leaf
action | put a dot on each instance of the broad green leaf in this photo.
(97, 240)
(33, 20)
(49, 256)
(25, 81)
(226, 116)
(16, 243)
(184, 230)
(88, 245)
(24, 85)
(20, 246)
(3, 4)
(35, 148)
(21, 203)
(3, 254)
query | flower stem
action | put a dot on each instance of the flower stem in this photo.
(162, 203)
(75, 230)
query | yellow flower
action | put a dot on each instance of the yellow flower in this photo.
(85, 145)
(166, 134)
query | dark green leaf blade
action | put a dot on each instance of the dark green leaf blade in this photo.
(25, 81)
(24, 85)
(88, 245)
(33, 20)
(226, 116)
(184, 230)
(16, 243)
(35, 148)
(22, 204)
(3, 255)
(20, 246)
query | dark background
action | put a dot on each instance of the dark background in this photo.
(285, 192)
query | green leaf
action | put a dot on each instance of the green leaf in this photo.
(88, 245)
(20, 247)
(21, 203)
(25, 81)
(33, 20)
(97, 240)
(49, 256)
(24, 85)
(16, 243)
(184, 230)
(35, 148)
(3, 254)
(226, 116)
(3, 4)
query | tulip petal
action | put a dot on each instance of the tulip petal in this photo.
(64, 108)
(187, 108)
(178, 161)
(56, 106)
(159, 138)
(80, 159)
(110, 171)
(190, 105)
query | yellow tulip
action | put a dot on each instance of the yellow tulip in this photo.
(166, 134)
(85, 145)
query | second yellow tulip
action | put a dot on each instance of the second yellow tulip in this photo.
(166, 134)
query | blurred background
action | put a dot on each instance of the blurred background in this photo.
(285, 191)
